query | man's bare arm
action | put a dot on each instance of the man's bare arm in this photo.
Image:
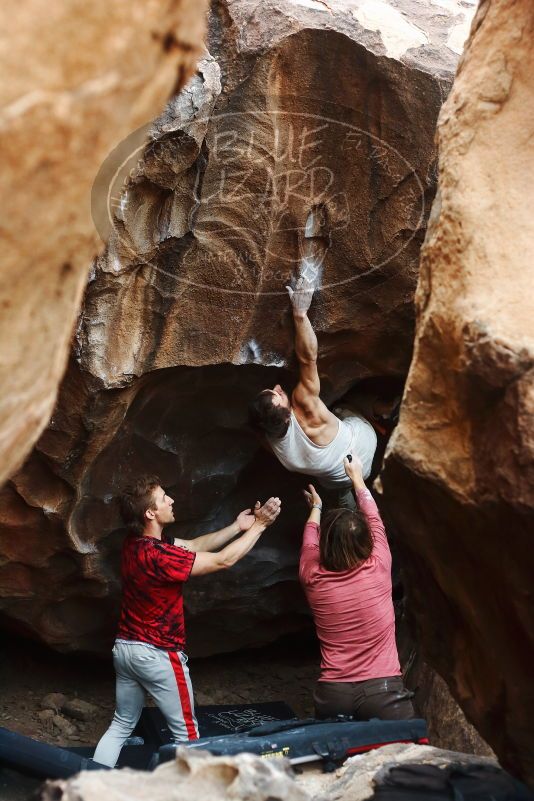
(206, 562)
(213, 541)
(306, 394)
(306, 349)
(211, 562)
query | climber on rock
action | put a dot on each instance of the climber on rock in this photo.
(148, 654)
(345, 571)
(301, 431)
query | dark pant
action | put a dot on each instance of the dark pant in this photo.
(386, 698)
(338, 499)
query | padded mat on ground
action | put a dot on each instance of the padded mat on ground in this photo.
(213, 720)
(131, 756)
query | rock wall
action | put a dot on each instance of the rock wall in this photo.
(76, 78)
(460, 474)
(446, 723)
(306, 141)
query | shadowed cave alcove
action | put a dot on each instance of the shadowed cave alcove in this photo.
(188, 426)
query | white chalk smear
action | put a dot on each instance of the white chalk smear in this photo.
(250, 353)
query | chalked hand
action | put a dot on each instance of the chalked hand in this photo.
(267, 514)
(301, 296)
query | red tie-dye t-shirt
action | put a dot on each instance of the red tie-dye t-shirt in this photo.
(152, 608)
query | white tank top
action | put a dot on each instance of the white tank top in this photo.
(299, 454)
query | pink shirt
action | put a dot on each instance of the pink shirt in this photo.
(353, 609)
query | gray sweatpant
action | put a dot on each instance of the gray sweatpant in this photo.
(163, 674)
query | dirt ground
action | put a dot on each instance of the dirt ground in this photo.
(28, 673)
(286, 671)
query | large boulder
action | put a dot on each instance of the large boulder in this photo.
(446, 723)
(305, 142)
(76, 78)
(459, 480)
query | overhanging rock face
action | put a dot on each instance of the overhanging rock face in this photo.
(459, 479)
(304, 143)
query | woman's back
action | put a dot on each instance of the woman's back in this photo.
(353, 609)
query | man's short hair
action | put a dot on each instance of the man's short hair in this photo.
(136, 499)
(345, 540)
(267, 418)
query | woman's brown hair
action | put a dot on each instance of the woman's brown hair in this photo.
(345, 540)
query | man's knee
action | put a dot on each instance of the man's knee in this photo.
(124, 723)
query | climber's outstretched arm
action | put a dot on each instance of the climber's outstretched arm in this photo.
(305, 396)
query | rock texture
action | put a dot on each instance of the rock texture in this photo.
(357, 779)
(305, 142)
(193, 775)
(251, 778)
(446, 722)
(460, 475)
(447, 726)
(76, 78)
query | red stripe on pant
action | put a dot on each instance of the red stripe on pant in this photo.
(183, 692)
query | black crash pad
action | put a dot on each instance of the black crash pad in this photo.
(217, 719)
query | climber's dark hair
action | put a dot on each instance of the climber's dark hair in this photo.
(267, 418)
(345, 540)
(136, 499)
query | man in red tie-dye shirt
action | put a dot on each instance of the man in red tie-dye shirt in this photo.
(149, 654)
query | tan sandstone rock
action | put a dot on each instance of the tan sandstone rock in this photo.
(356, 779)
(192, 775)
(306, 141)
(459, 479)
(53, 701)
(76, 78)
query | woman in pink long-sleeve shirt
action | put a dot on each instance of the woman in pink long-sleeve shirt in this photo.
(345, 570)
